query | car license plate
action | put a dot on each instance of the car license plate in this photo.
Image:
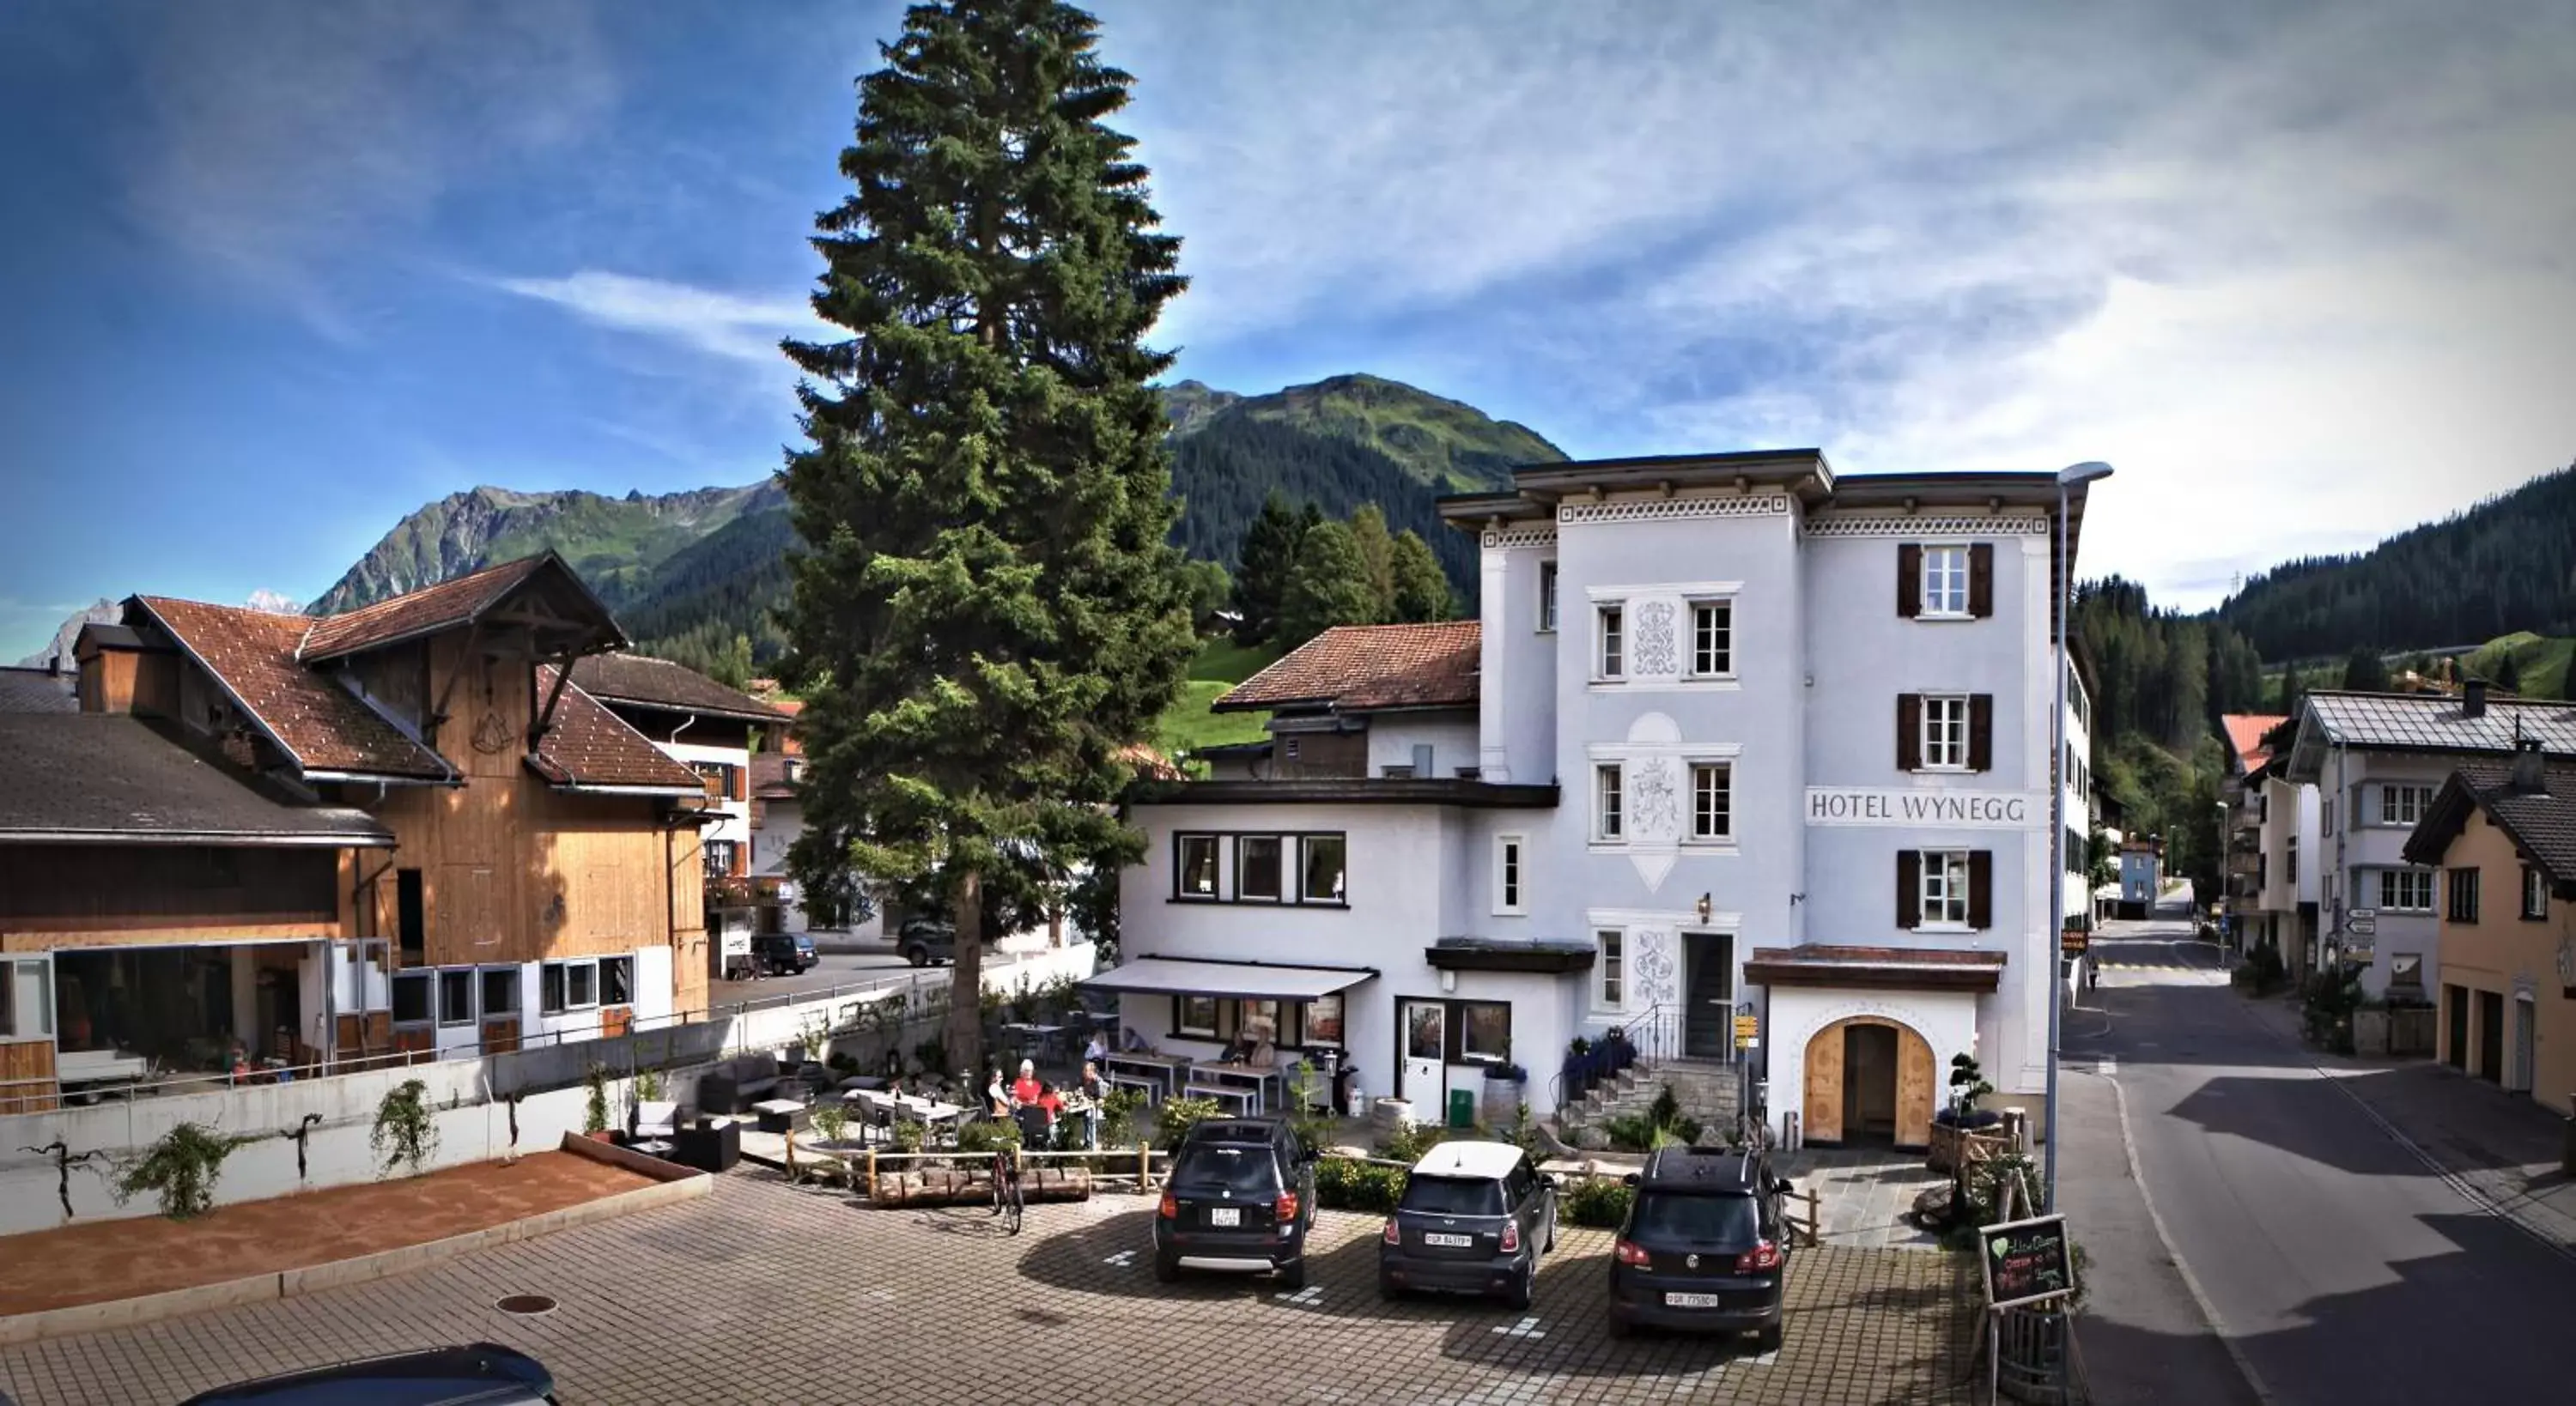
(1690, 1300)
(1225, 1215)
(1448, 1242)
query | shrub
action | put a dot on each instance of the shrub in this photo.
(404, 1134)
(1666, 1110)
(831, 1119)
(1408, 1142)
(909, 1136)
(1118, 1117)
(988, 1135)
(648, 1086)
(181, 1169)
(594, 1112)
(1344, 1185)
(1599, 1202)
(1178, 1116)
(1637, 1133)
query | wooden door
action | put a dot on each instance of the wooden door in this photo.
(500, 1034)
(1913, 1089)
(1825, 1085)
(615, 1021)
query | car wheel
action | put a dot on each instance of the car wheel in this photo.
(1166, 1267)
(1292, 1275)
(1548, 1246)
(1387, 1290)
(918, 956)
(1518, 1296)
(1768, 1340)
(1620, 1327)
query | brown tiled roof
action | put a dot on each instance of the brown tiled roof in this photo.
(1150, 765)
(431, 608)
(107, 778)
(322, 726)
(1817, 964)
(1358, 668)
(659, 683)
(2245, 733)
(769, 777)
(591, 746)
(2542, 824)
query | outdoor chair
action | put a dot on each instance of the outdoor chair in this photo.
(1237, 1100)
(1037, 1131)
(655, 1119)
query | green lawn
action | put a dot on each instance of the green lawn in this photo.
(1221, 664)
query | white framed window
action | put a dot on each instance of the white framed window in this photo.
(1320, 1022)
(1945, 732)
(26, 998)
(1945, 888)
(568, 986)
(500, 991)
(1610, 969)
(1258, 865)
(1712, 639)
(1546, 597)
(413, 997)
(1611, 659)
(1510, 853)
(1485, 1031)
(456, 995)
(1609, 821)
(1195, 875)
(1945, 582)
(2404, 805)
(2535, 892)
(2406, 890)
(1712, 802)
(1194, 1015)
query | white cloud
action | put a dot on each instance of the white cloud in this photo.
(722, 324)
(277, 601)
(2298, 271)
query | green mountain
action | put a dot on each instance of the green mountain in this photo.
(686, 572)
(2506, 564)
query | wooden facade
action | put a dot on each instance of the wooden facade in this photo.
(27, 1077)
(62, 896)
(511, 869)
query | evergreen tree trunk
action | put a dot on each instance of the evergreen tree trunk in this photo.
(965, 1037)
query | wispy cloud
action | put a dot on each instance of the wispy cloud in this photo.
(721, 324)
(2297, 269)
(279, 601)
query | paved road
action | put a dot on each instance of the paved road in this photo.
(836, 969)
(2338, 1266)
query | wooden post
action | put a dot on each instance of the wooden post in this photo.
(791, 1154)
(1144, 1168)
(872, 1174)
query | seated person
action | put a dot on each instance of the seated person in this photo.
(1238, 1049)
(1037, 1127)
(997, 1099)
(1051, 1100)
(1131, 1042)
(1095, 1049)
(1026, 1088)
(1262, 1055)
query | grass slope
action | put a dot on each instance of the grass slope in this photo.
(1221, 664)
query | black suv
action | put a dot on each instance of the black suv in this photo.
(1704, 1247)
(783, 953)
(1241, 1196)
(1474, 1219)
(484, 1374)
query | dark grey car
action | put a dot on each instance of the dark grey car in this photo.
(480, 1374)
(1703, 1248)
(1474, 1219)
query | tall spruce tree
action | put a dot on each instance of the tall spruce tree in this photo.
(1269, 555)
(1377, 560)
(2293, 688)
(1329, 586)
(2508, 674)
(1421, 588)
(2365, 673)
(988, 610)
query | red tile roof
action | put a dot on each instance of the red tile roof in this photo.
(427, 610)
(591, 746)
(659, 683)
(1359, 668)
(322, 726)
(2245, 736)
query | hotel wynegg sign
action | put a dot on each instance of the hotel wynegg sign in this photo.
(1950, 810)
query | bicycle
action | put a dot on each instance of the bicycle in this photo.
(1008, 1207)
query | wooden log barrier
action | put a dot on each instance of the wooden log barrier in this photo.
(950, 1187)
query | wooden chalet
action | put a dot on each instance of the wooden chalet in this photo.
(270, 840)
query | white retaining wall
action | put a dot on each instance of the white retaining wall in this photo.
(471, 1096)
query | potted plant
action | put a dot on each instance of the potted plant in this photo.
(594, 1115)
(1961, 1119)
(405, 1133)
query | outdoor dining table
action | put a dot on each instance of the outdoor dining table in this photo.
(1164, 1070)
(1259, 1078)
(1048, 1038)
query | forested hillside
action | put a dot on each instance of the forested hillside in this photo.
(2507, 564)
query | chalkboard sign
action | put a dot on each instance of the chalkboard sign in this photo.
(2025, 1261)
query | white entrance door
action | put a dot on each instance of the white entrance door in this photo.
(1426, 1073)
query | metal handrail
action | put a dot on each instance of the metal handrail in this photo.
(1642, 1037)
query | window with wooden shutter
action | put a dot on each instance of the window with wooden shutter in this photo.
(1981, 580)
(740, 777)
(1909, 889)
(1909, 579)
(1981, 732)
(1909, 732)
(1981, 889)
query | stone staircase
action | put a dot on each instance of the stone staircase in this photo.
(1708, 1090)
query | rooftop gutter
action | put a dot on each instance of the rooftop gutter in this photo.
(245, 838)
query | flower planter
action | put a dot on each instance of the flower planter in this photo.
(1954, 1148)
(1503, 1100)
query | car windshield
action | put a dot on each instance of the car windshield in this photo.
(1724, 1221)
(1245, 1171)
(1453, 1196)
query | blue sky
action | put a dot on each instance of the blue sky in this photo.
(279, 273)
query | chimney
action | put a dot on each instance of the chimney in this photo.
(2473, 699)
(2529, 776)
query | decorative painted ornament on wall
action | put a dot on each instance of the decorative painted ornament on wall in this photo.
(491, 734)
(1655, 640)
(1658, 968)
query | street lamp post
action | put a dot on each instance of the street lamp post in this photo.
(2072, 476)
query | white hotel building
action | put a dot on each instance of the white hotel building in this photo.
(1732, 736)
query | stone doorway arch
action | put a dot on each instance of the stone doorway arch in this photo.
(1827, 1086)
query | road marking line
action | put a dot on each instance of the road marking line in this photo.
(2190, 1281)
(1124, 1259)
(1312, 1293)
(1526, 1328)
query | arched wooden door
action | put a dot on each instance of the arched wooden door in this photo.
(1824, 1079)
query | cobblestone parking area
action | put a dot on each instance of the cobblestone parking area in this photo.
(771, 1293)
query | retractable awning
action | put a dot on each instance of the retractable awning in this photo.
(1186, 976)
